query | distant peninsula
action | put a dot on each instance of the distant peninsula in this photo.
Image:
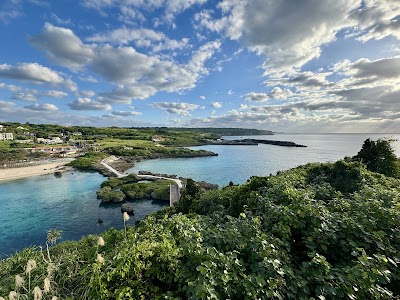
(221, 131)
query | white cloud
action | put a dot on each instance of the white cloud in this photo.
(290, 33)
(10, 9)
(32, 72)
(276, 93)
(384, 68)
(88, 104)
(277, 28)
(142, 38)
(176, 121)
(86, 93)
(126, 113)
(259, 97)
(88, 79)
(10, 87)
(216, 104)
(130, 9)
(136, 75)
(29, 96)
(42, 107)
(63, 47)
(5, 104)
(60, 21)
(179, 108)
(377, 19)
(202, 97)
(230, 92)
(55, 94)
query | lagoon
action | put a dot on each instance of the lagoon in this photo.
(31, 206)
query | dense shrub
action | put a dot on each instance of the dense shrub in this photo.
(320, 231)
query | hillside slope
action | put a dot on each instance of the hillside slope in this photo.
(319, 231)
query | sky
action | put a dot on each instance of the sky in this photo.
(283, 65)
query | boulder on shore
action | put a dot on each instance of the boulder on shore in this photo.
(127, 207)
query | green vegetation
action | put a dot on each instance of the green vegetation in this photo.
(319, 231)
(117, 189)
(378, 156)
(106, 194)
(88, 161)
(227, 131)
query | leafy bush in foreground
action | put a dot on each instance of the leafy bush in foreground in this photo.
(320, 231)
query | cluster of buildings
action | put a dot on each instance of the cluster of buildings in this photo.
(53, 143)
(27, 137)
(5, 136)
(54, 150)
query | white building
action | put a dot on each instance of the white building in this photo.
(50, 141)
(2, 128)
(6, 136)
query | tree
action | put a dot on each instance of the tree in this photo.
(379, 156)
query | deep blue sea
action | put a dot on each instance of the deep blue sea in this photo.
(31, 206)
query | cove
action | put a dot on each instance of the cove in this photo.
(31, 206)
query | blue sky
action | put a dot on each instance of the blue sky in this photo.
(283, 65)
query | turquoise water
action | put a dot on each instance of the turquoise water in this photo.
(238, 163)
(31, 206)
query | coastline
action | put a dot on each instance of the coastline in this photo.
(25, 172)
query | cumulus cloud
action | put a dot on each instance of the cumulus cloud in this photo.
(290, 42)
(4, 104)
(377, 19)
(136, 75)
(276, 93)
(88, 104)
(128, 9)
(55, 94)
(216, 104)
(10, 87)
(30, 72)
(29, 96)
(278, 30)
(142, 38)
(126, 113)
(42, 107)
(384, 68)
(179, 108)
(359, 96)
(176, 121)
(86, 93)
(63, 47)
(258, 97)
(202, 97)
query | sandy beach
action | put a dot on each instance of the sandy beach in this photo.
(17, 173)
